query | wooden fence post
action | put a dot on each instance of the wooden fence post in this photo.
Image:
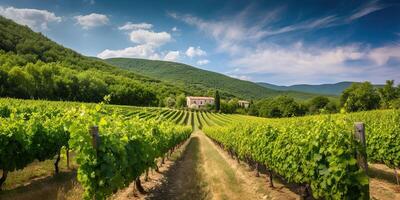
(257, 174)
(67, 154)
(94, 132)
(359, 135)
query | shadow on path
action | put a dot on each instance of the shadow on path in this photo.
(44, 188)
(183, 180)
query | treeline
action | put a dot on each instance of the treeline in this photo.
(358, 97)
(54, 81)
(34, 67)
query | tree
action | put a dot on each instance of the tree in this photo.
(289, 107)
(170, 101)
(20, 83)
(252, 110)
(359, 97)
(331, 107)
(229, 107)
(317, 104)
(388, 93)
(181, 101)
(281, 106)
(217, 101)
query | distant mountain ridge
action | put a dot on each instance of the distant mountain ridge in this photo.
(326, 89)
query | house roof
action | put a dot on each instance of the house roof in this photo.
(241, 101)
(202, 98)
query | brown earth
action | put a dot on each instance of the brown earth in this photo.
(204, 171)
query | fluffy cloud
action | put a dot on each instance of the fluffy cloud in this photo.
(250, 40)
(383, 54)
(195, 51)
(172, 56)
(139, 51)
(300, 60)
(234, 33)
(131, 26)
(148, 43)
(35, 19)
(149, 37)
(91, 20)
(299, 64)
(174, 29)
(203, 62)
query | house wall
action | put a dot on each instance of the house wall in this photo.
(244, 104)
(196, 103)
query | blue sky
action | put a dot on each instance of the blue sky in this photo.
(279, 42)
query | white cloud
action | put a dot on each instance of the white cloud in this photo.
(34, 18)
(92, 20)
(148, 42)
(203, 62)
(172, 56)
(149, 37)
(195, 51)
(231, 33)
(247, 38)
(313, 64)
(174, 29)
(131, 26)
(300, 60)
(139, 51)
(383, 54)
(366, 9)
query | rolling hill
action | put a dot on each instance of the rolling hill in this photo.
(200, 81)
(33, 66)
(326, 89)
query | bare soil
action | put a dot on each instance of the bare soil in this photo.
(204, 171)
(383, 183)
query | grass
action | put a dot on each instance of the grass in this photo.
(184, 180)
(36, 170)
(39, 181)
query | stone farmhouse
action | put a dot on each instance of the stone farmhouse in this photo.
(244, 104)
(198, 102)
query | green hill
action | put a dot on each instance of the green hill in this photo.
(33, 66)
(326, 89)
(200, 81)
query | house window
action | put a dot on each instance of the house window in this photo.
(194, 102)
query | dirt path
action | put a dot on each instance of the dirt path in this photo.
(206, 172)
(197, 170)
(383, 183)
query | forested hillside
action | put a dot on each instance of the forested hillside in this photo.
(200, 81)
(33, 66)
(326, 89)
